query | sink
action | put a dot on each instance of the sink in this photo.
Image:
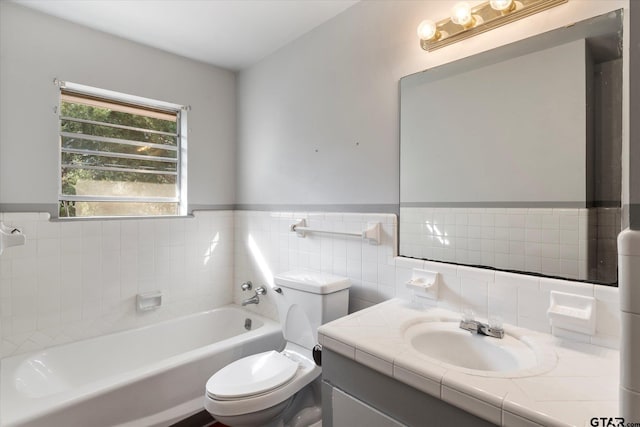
(455, 348)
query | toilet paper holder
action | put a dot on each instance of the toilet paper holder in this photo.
(10, 236)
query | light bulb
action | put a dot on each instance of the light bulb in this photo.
(461, 14)
(501, 5)
(427, 30)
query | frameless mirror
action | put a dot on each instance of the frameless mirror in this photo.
(511, 159)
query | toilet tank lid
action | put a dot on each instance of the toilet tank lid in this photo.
(312, 281)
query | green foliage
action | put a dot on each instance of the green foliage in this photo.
(71, 175)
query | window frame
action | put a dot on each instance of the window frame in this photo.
(109, 96)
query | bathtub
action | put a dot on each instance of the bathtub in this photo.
(151, 376)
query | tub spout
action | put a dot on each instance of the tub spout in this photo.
(253, 300)
(256, 298)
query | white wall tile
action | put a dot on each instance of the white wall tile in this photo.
(603, 340)
(371, 268)
(547, 284)
(629, 242)
(479, 274)
(570, 335)
(443, 269)
(517, 280)
(503, 301)
(75, 280)
(535, 324)
(99, 266)
(475, 295)
(450, 291)
(532, 308)
(629, 271)
(630, 369)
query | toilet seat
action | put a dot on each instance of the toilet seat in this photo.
(251, 376)
(306, 371)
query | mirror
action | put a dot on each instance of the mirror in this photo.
(511, 159)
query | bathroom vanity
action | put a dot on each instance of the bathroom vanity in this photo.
(366, 397)
(378, 370)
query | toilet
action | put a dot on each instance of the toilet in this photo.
(282, 389)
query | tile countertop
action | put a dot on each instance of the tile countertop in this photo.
(582, 383)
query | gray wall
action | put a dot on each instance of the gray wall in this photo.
(37, 48)
(520, 124)
(319, 119)
(335, 90)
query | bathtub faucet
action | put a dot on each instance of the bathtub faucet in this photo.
(256, 298)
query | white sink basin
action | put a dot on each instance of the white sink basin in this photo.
(477, 354)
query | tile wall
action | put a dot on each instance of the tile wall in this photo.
(265, 246)
(548, 241)
(74, 280)
(629, 261)
(78, 279)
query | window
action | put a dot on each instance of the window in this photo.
(120, 155)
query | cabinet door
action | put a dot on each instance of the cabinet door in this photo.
(351, 412)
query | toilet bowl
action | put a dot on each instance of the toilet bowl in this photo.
(274, 389)
(257, 389)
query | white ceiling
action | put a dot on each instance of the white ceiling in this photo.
(232, 34)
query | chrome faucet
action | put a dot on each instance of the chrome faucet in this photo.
(256, 298)
(492, 329)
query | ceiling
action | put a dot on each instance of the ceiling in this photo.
(232, 34)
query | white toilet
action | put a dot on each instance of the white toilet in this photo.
(276, 389)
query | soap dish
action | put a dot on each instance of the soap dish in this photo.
(424, 283)
(148, 301)
(573, 312)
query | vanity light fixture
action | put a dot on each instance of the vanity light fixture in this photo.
(467, 21)
(461, 15)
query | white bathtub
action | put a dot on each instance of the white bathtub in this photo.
(152, 376)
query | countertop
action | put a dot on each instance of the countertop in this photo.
(580, 383)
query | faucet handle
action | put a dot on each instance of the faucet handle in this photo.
(495, 322)
(261, 290)
(246, 286)
(468, 315)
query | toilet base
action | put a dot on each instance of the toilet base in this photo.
(304, 409)
(268, 417)
(307, 417)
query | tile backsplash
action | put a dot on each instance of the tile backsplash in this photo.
(78, 279)
(265, 246)
(518, 299)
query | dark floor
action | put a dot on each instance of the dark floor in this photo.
(201, 419)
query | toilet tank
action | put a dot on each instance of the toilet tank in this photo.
(308, 300)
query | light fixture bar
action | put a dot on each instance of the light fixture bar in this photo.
(486, 18)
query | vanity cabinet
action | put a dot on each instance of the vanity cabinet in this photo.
(355, 395)
(349, 411)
